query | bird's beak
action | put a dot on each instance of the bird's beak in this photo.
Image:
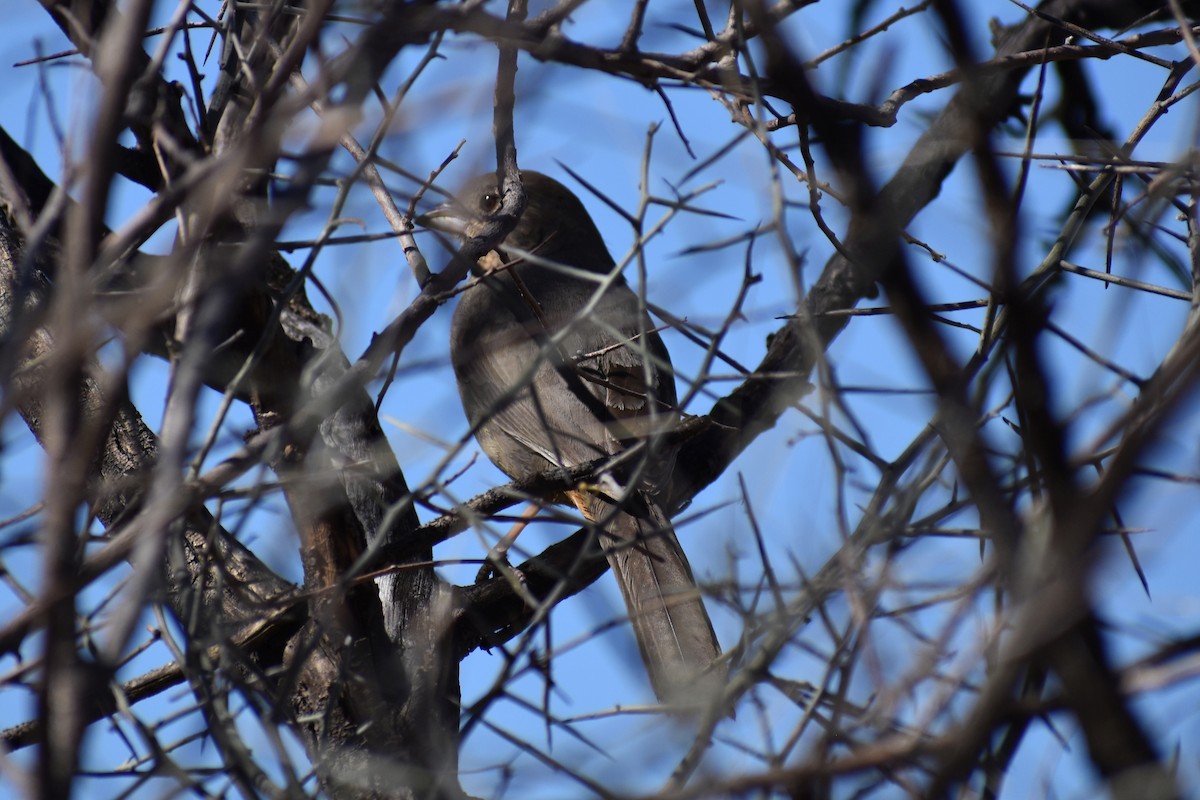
(448, 218)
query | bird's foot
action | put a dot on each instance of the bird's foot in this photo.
(494, 566)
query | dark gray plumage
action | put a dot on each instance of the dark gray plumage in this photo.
(551, 373)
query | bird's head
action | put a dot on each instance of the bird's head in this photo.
(554, 225)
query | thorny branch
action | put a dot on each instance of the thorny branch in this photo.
(361, 660)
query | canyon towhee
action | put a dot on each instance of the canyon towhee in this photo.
(558, 365)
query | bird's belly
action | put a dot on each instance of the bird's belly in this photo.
(536, 427)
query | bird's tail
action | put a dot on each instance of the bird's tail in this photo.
(673, 630)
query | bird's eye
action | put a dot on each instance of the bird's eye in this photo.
(489, 202)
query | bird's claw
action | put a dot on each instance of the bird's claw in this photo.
(493, 567)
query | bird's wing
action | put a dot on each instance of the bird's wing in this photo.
(624, 365)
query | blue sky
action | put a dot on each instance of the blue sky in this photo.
(599, 127)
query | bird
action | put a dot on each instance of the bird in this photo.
(557, 365)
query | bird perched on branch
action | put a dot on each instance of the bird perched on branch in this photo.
(558, 365)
